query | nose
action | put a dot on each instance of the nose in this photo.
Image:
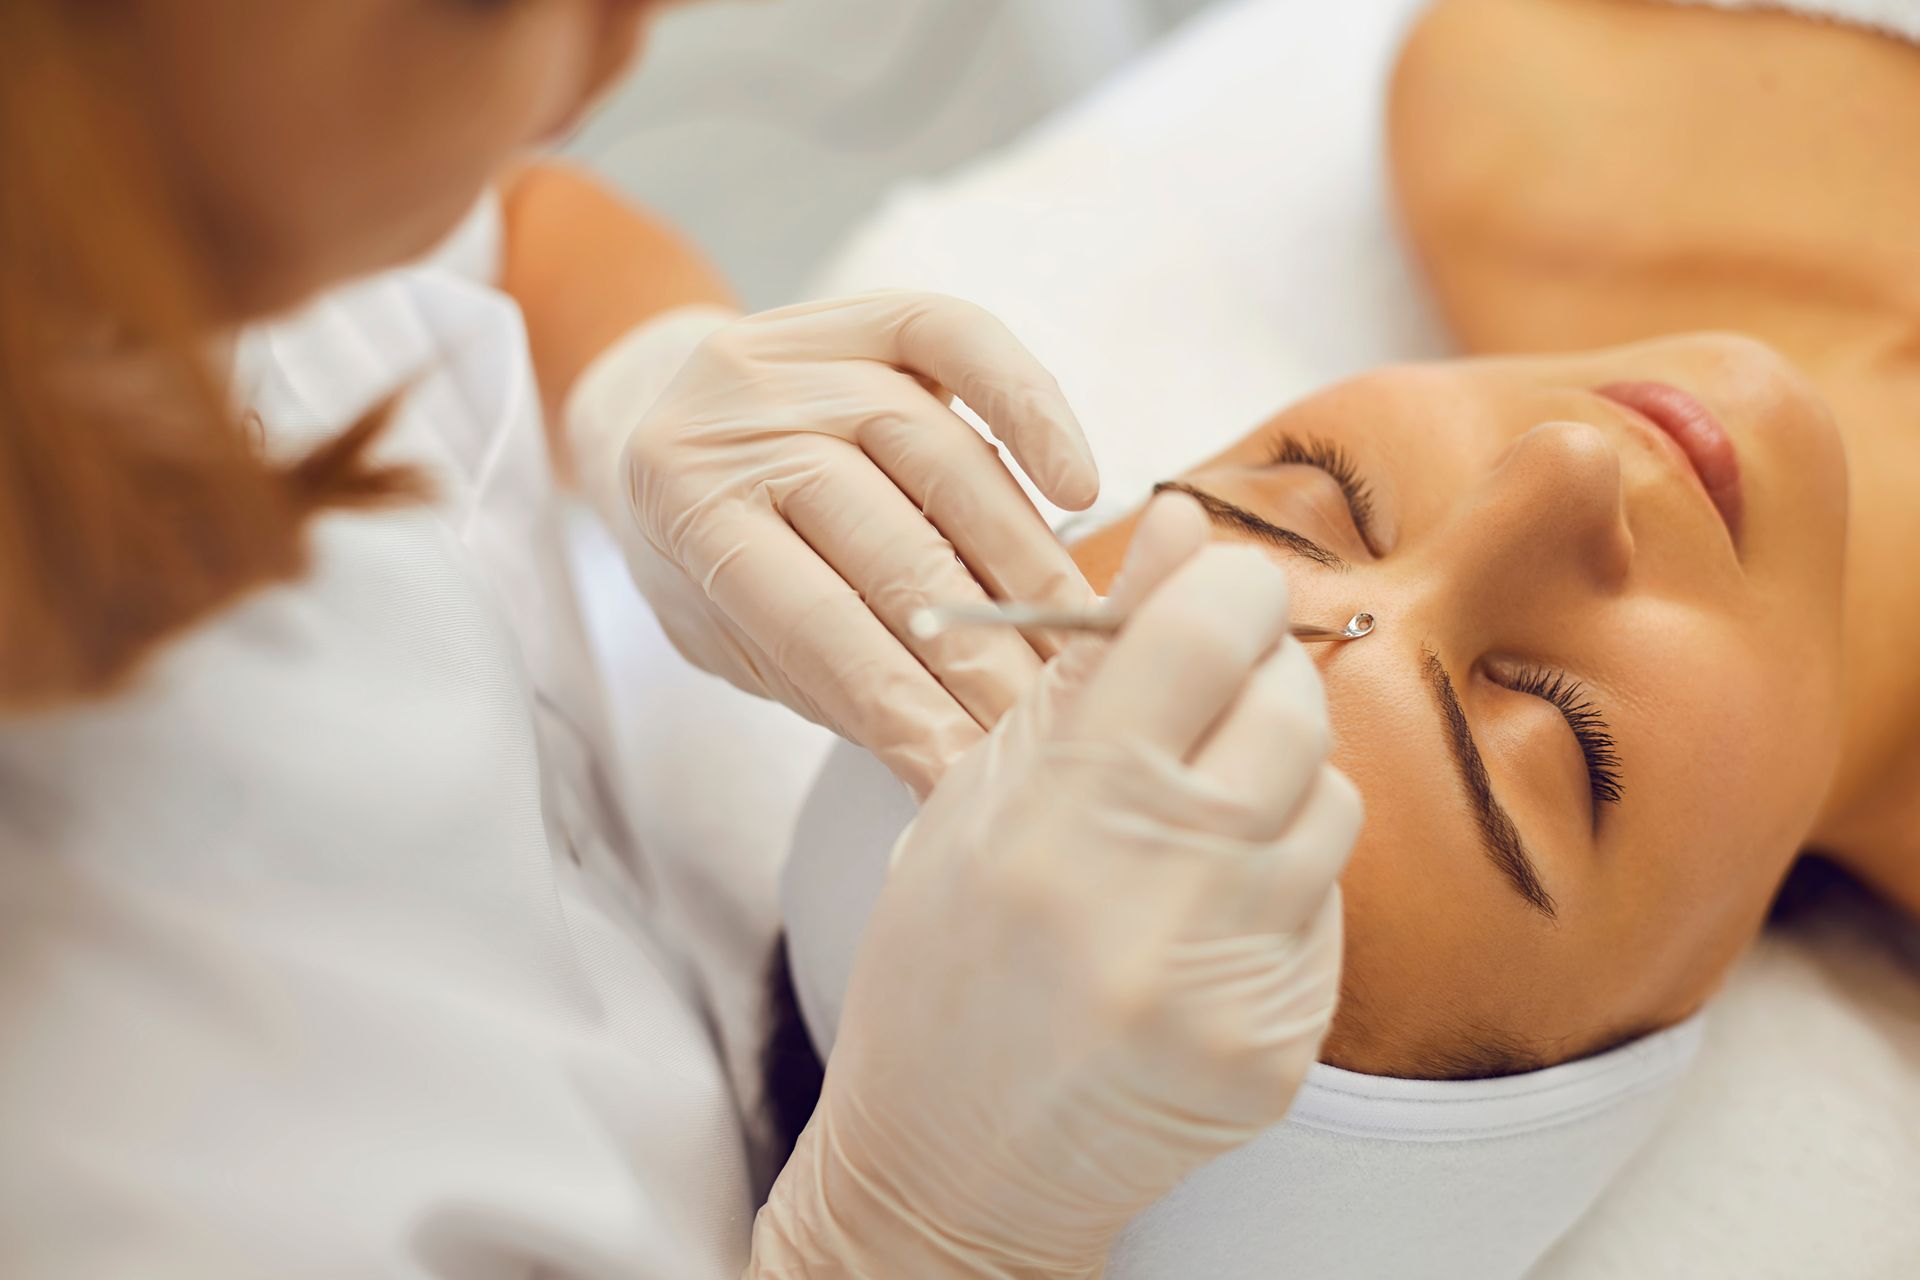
(1549, 521)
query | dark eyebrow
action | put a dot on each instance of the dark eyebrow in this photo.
(1233, 516)
(1505, 849)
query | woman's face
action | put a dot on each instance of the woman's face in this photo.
(1597, 716)
(315, 140)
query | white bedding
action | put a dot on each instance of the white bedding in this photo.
(1208, 238)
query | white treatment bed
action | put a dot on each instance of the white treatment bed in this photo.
(1200, 242)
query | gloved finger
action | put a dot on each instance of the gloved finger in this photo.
(1290, 878)
(964, 347)
(819, 634)
(966, 490)
(881, 545)
(1270, 745)
(1170, 532)
(1185, 656)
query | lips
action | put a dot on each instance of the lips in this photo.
(1702, 439)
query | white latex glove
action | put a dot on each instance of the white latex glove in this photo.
(1107, 952)
(790, 487)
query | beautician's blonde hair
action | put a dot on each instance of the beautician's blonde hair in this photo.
(133, 502)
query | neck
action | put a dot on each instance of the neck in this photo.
(1873, 809)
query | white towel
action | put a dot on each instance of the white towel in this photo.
(1369, 1176)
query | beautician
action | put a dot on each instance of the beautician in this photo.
(324, 950)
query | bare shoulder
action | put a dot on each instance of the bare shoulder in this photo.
(1572, 141)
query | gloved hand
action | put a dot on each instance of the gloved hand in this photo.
(789, 488)
(1107, 952)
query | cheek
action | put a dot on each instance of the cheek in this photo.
(1752, 726)
(620, 43)
(1721, 801)
(1728, 722)
(439, 132)
(369, 148)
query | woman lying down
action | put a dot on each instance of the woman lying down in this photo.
(1641, 620)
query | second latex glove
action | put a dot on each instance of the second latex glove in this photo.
(1107, 952)
(790, 487)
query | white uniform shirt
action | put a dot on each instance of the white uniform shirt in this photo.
(323, 951)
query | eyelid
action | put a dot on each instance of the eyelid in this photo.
(1326, 455)
(1598, 749)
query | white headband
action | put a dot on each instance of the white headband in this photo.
(1369, 1176)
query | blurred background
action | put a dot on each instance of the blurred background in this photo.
(773, 125)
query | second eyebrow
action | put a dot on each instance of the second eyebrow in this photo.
(1504, 847)
(1233, 516)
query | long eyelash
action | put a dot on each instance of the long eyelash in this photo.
(1589, 728)
(1313, 451)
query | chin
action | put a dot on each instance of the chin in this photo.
(264, 281)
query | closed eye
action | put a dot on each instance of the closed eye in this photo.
(1327, 456)
(1589, 727)
(1233, 516)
